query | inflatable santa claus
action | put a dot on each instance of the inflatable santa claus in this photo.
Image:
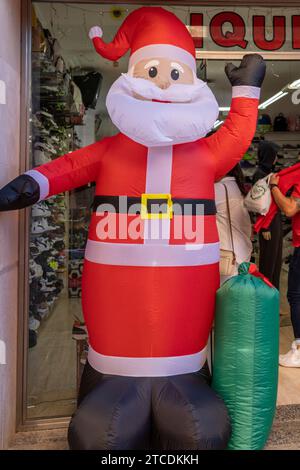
(151, 263)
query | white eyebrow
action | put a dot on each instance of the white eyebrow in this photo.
(151, 63)
(177, 66)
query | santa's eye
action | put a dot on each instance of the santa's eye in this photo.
(175, 74)
(152, 72)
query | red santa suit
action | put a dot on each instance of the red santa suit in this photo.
(148, 299)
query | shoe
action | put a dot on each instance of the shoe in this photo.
(42, 308)
(50, 274)
(41, 132)
(50, 227)
(32, 338)
(33, 324)
(34, 251)
(51, 298)
(292, 358)
(41, 226)
(35, 269)
(79, 330)
(43, 244)
(289, 146)
(40, 157)
(45, 114)
(37, 228)
(49, 88)
(46, 147)
(46, 287)
(55, 139)
(84, 357)
(59, 218)
(40, 210)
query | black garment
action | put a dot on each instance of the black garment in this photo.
(266, 154)
(294, 291)
(258, 175)
(280, 123)
(270, 251)
(129, 413)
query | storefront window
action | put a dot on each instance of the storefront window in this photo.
(69, 85)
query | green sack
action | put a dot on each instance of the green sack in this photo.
(246, 348)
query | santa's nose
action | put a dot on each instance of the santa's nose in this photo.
(163, 83)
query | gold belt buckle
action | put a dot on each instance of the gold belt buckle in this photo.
(164, 197)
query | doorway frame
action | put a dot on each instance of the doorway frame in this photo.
(23, 423)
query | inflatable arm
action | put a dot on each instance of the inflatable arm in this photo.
(68, 172)
(232, 140)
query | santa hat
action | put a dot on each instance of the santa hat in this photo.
(148, 32)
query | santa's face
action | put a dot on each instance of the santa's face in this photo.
(160, 101)
(164, 72)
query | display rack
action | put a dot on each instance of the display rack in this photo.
(54, 116)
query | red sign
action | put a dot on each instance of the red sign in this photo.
(235, 35)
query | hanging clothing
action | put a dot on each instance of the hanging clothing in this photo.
(266, 154)
(240, 220)
(270, 251)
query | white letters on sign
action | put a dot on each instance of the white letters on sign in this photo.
(2, 352)
(2, 92)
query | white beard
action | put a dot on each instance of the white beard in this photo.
(190, 115)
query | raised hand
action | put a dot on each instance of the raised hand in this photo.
(251, 71)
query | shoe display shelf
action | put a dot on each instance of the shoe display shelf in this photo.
(52, 135)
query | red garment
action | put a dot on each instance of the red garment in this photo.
(152, 311)
(289, 177)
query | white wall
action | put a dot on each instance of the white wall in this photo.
(9, 167)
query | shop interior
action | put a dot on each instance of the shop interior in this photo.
(69, 85)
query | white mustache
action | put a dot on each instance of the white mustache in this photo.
(178, 93)
(188, 115)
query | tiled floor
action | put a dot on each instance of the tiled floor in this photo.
(52, 363)
(285, 434)
(289, 379)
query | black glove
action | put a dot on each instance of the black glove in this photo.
(251, 71)
(21, 192)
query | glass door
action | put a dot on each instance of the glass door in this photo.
(69, 86)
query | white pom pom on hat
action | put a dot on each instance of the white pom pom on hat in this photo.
(95, 32)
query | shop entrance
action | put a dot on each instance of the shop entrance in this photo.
(69, 86)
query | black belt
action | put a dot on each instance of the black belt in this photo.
(123, 205)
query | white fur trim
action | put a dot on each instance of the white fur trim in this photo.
(161, 125)
(158, 180)
(147, 366)
(42, 182)
(246, 92)
(163, 50)
(131, 254)
(95, 32)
